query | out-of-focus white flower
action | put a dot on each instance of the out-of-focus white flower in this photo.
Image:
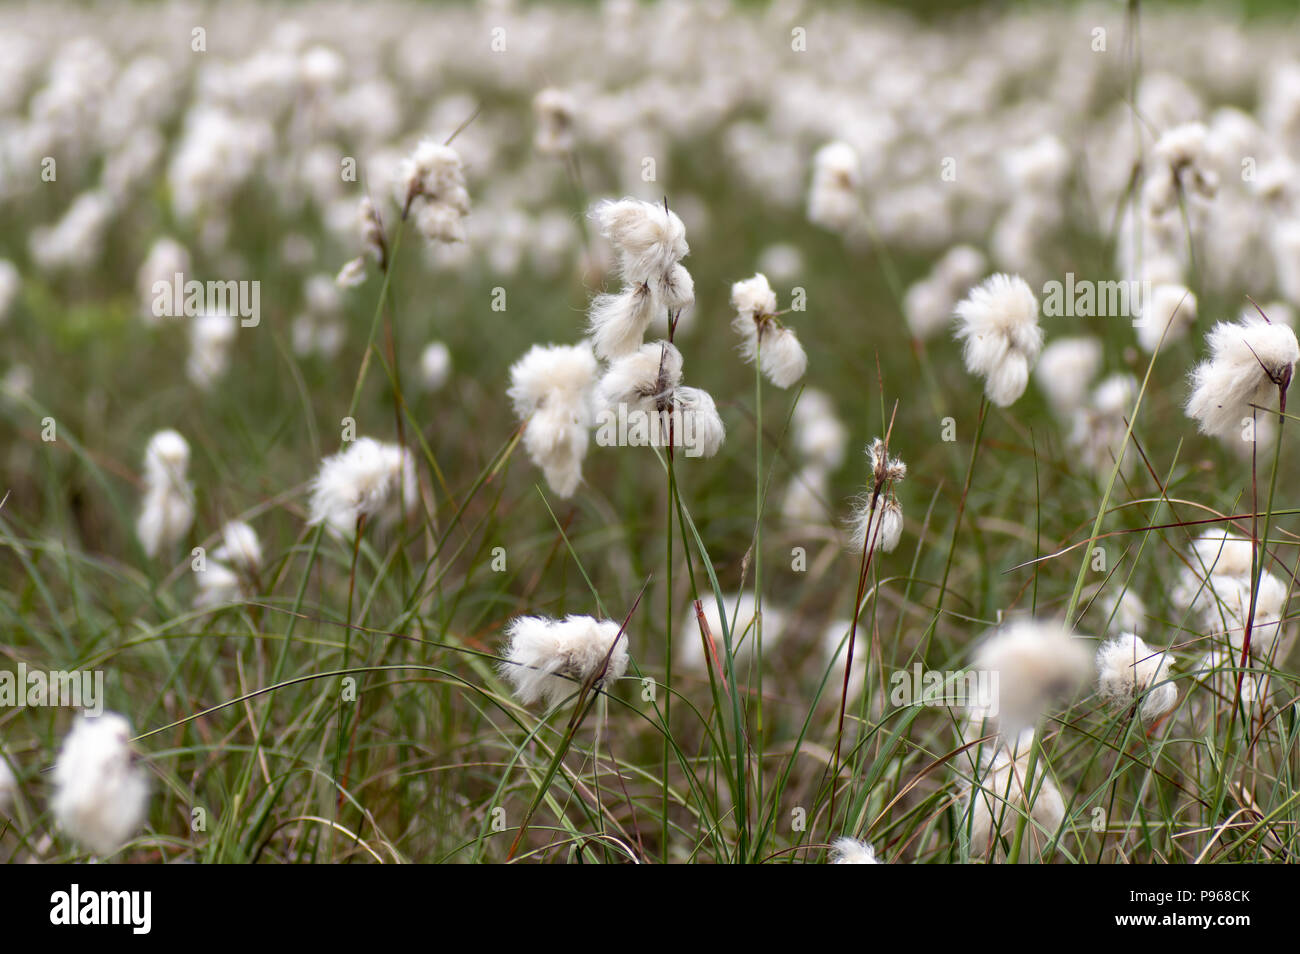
(556, 112)
(817, 434)
(435, 366)
(101, 795)
(229, 570)
(168, 505)
(211, 337)
(805, 498)
(8, 784)
(850, 851)
(1004, 793)
(168, 261)
(1035, 664)
(740, 613)
(1100, 424)
(763, 337)
(1249, 361)
(998, 326)
(369, 479)
(833, 196)
(1066, 369)
(552, 658)
(434, 174)
(11, 284)
(1128, 670)
(1171, 306)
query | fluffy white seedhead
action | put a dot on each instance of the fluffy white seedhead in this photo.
(804, 502)
(763, 337)
(167, 508)
(1226, 607)
(744, 635)
(551, 659)
(435, 366)
(850, 851)
(1036, 665)
(1066, 369)
(753, 297)
(1128, 670)
(551, 389)
(701, 420)
(1100, 425)
(166, 259)
(100, 793)
(617, 322)
(881, 524)
(1250, 362)
(998, 326)
(431, 183)
(1169, 305)
(817, 434)
(649, 239)
(369, 479)
(675, 288)
(644, 380)
(1004, 793)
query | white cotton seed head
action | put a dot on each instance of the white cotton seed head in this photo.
(753, 297)
(781, 356)
(703, 430)
(1033, 665)
(1065, 371)
(998, 325)
(1169, 305)
(676, 288)
(100, 795)
(435, 366)
(556, 441)
(352, 274)
(644, 380)
(552, 374)
(1128, 670)
(649, 239)
(368, 479)
(550, 659)
(850, 851)
(617, 323)
(804, 501)
(878, 521)
(1249, 361)
(833, 195)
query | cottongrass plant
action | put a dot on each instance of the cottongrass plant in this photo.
(167, 511)
(100, 792)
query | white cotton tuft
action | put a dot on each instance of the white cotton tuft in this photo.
(617, 322)
(551, 659)
(702, 429)
(551, 389)
(100, 795)
(368, 479)
(849, 851)
(1250, 361)
(166, 259)
(998, 325)
(8, 783)
(804, 501)
(882, 520)
(817, 434)
(434, 177)
(211, 337)
(1101, 425)
(556, 112)
(763, 337)
(649, 239)
(753, 297)
(1032, 665)
(1128, 670)
(644, 380)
